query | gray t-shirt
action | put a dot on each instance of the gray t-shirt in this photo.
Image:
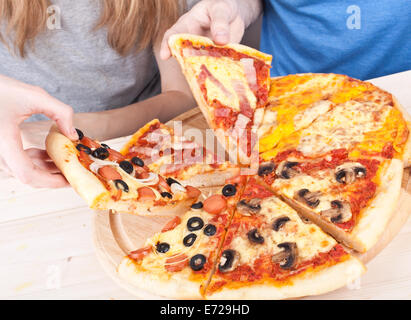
(77, 66)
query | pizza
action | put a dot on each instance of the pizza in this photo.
(230, 84)
(106, 179)
(240, 244)
(352, 199)
(179, 261)
(269, 252)
(175, 156)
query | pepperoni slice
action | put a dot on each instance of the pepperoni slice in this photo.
(215, 204)
(171, 224)
(109, 173)
(90, 143)
(115, 156)
(192, 192)
(176, 263)
(145, 193)
(85, 159)
(140, 253)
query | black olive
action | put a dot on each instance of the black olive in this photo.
(189, 240)
(80, 134)
(138, 162)
(278, 223)
(105, 146)
(266, 168)
(197, 262)
(126, 166)
(255, 237)
(195, 223)
(198, 205)
(100, 153)
(210, 230)
(121, 185)
(229, 190)
(171, 181)
(82, 147)
(162, 247)
(167, 195)
(229, 256)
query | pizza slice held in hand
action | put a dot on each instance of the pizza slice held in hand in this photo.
(230, 84)
(179, 261)
(269, 252)
(106, 179)
(174, 156)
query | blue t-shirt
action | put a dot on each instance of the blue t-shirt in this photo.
(363, 39)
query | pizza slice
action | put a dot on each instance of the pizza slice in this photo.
(353, 199)
(269, 252)
(179, 261)
(295, 101)
(106, 179)
(174, 156)
(371, 125)
(230, 84)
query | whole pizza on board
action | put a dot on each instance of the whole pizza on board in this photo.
(329, 153)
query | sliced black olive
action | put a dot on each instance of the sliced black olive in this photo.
(189, 240)
(167, 195)
(348, 172)
(311, 199)
(266, 168)
(279, 222)
(121, 185)
(162, 247)
(80, 134)
(137, 161)
(229, 260)
(171, 181)
(250, 207)
(339, 212)
(195, 223)
(197, 205)
(82, 147)
(105, 146)
(210, 230)
(197, 262)
(285, 169)
(255, 237)
(288, 257)
(229, 190)
(126, 166)
(101, 153)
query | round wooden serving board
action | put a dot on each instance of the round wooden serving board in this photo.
(115, 235)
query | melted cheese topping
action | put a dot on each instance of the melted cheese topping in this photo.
(309, 238)
(224, 70)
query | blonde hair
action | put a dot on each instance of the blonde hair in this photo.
(125, 20)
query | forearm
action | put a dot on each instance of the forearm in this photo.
(250, 10)
(125, 121)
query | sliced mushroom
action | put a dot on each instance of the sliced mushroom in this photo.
(311, 199)
(339, 212)
(279, 222)
(348, 172)
(286, 170)
(249, 207)
(229, 260)
(288, 257)
(266, 168)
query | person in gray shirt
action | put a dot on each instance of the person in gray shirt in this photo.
(91, 64)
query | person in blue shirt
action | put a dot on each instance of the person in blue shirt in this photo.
(364, 39)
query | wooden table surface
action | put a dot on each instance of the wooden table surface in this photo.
(47, 251)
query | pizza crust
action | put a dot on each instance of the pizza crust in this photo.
(308, 284)
(407, 149)
(175, 286)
